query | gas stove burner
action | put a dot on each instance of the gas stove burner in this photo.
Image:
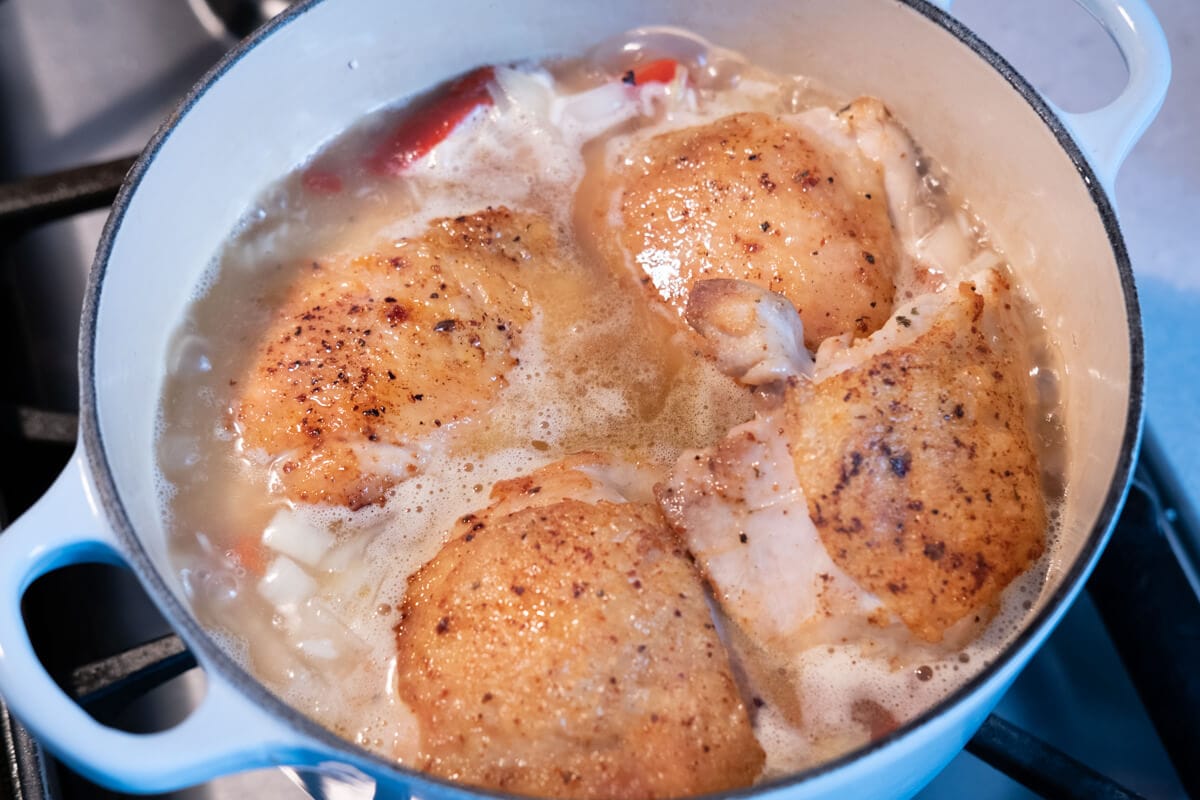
(237, 18)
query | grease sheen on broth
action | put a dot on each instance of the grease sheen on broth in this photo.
(599, 369)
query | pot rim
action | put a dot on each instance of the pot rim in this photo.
(212, 656)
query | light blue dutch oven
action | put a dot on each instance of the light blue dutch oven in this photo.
(1041, 177)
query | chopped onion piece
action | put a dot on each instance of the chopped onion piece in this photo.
(286, 584)
(291, 534)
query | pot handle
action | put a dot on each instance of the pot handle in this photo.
(226, 733)
(1109, 133)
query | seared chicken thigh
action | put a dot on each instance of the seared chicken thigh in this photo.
(562, 646)
(369, 354)
(918, 461)
(909, 456)
(758, 198)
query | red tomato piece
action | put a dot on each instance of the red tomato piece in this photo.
(429, 121)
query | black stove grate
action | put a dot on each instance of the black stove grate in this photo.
(1140, 588)
(45, 198)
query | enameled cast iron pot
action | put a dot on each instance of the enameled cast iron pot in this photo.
(1040, 177)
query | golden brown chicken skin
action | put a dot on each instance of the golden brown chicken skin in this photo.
(566, 650)
(754, 198)
(368, 354)
(918, 463)
(899, 469)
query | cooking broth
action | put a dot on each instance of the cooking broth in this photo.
(598, 369)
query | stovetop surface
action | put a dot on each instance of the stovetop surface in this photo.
(82, 82)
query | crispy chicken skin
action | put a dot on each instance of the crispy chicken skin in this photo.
(368, 354)
(566, 650)
(910, 451)
(918, 463)
(755, 198)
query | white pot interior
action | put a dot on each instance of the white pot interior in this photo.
(296, 90)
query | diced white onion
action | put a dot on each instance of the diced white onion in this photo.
(286, 584)
(292, 535)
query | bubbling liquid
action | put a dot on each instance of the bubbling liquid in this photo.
(598, 370)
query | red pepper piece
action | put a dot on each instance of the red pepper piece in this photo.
(429, 121)
(659, 71)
